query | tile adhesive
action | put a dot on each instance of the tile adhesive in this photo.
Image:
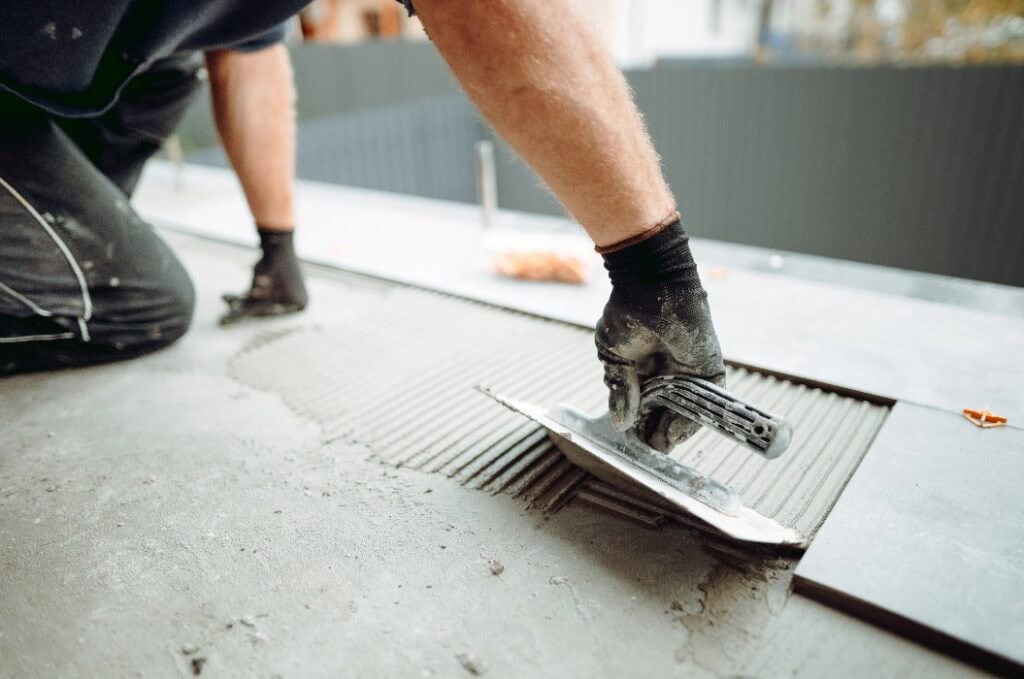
(398, 376)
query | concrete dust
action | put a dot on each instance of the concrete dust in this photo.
(737, 605)
(471, 664)
(563, 581)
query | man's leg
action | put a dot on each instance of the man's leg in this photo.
(83, 279)
(151, 105)
(546, 83)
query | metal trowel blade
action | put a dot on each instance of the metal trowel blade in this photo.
(619, 458)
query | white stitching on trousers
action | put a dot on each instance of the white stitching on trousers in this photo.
(36, 338)
(35, 308)
(86, 298)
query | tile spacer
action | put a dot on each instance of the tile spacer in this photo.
(984, 418)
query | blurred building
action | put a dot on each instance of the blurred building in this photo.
(640, 32)
(952, 31)
(351, 21)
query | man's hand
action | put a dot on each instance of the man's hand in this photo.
(277, 286)
(657, 322)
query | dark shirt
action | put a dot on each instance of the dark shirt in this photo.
(72, 57)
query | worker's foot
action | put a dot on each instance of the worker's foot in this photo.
(277, 286)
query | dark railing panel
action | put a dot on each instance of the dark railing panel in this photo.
(919, 168)
(422, 148)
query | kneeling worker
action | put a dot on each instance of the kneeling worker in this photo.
(92, 89)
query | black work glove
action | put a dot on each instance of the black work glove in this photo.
(277, 286)
(657, 322)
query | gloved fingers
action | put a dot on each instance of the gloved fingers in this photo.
(232, 316)
(623, 394)
(242, 308)
(663, 429)
(694, 350)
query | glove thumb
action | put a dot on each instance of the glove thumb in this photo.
(623, 395)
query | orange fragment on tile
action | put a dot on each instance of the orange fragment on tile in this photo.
(718, 273)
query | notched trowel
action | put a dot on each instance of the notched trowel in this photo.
(622, 459)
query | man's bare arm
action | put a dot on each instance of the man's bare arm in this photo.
(253, 97)
(254, 107)
(546, 83)
(548, 86)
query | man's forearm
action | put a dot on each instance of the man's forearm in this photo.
(254, 107)
(545, 82)
(543, 79)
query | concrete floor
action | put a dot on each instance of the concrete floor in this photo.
(158, 518)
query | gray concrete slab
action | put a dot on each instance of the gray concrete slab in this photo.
(158, 513)
(969, 294)
(949, 356)
(926, 538)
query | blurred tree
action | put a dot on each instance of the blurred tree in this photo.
(926, 30)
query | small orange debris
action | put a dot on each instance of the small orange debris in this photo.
(719, 273)
(984, 418)
(542, 266)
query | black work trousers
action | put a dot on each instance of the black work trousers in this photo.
(83, 279)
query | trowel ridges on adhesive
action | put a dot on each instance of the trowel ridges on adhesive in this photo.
(398, 376)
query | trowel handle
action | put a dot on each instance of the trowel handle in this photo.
(711, 405)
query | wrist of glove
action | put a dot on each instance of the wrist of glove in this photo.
(277, 285)
(657, 322)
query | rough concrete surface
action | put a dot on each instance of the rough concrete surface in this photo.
(158, 518)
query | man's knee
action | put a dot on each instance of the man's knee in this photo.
(129, 318)
(135, 324)
(176, 314)
(146, 316)
(182, 311)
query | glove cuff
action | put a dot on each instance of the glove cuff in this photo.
(272, 240)
(662, 258)
(642, 236)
